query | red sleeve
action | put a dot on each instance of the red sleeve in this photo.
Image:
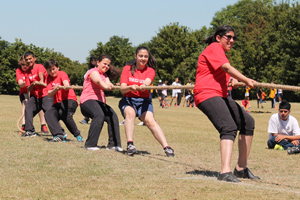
(151, 74)
(216, 56)
(125, 74)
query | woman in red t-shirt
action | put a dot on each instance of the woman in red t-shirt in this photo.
(136, 102)
(22, 73)
(211, 97)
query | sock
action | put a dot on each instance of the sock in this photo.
(129, 142)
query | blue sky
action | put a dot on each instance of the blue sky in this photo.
(75, 27)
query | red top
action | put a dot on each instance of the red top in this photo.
(61, 94)
(20, 74)
(39, 91)
(138, 78)
(211, 79)
(92, 91)
(245, 103)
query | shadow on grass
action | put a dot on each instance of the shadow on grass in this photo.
(204, 173)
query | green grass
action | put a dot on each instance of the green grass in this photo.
(33, 168)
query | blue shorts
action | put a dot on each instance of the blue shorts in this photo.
(140, 105)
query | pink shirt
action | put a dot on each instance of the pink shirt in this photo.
(20, 74)
(58, 81)
(38, 90)
(92, 91)
(138, 78)
(211, 79)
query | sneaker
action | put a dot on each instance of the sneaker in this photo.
(278, 147)
(29, 134)
(293, 150)
(229, 177)
(141, 124)
(79, 138)
(169, 152)
(44, 129)
(84, 121)
(122, 123)
(245, 173)
(116, 148)
(58, 139)
(131, 150)
(92, 148)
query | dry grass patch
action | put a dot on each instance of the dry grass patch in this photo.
(33, 168)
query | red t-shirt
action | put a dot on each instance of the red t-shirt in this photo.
(20, 74)
(245, 103)
(91, 90)
(138, 78)
(39, 91)
(61, 94)
(211, 79)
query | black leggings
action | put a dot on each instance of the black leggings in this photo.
(227, 117)
(100, 112)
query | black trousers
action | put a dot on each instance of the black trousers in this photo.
(227, 117)
(100, 112)
(33, 107)
(64, 111)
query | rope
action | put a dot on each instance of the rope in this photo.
(187, 87)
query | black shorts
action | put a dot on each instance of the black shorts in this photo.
(23, 97)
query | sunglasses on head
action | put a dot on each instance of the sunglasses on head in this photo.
(230, 36)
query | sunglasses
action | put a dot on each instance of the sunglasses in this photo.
(230, 36)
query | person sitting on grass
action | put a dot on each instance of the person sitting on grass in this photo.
(64, 103)
(283, 128)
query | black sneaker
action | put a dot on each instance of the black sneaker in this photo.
(169, 152)
(58, 139)
(228, 177)
(245, 173)
(131, 150)
(293, 150)
(29, 134)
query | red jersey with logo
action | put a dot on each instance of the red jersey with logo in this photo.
(211, 79)
(58, 81)
(138, 78)
(38, 90)
(91, 90)
(20, 74)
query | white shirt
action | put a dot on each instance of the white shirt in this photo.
(277, 125)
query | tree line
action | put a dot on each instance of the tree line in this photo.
(267, 49)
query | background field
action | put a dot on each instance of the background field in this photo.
(33, 168)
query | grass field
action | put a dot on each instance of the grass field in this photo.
(33, 168)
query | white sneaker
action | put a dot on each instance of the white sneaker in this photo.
(141, 124)
(122, 123)
(116, 148)
(92, 148)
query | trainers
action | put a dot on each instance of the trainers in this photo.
(293, 150)
(84, 121)
(79, 138)
(229, 177)
(92, 148)
(29, 134)
(116, 148)
(169, 152)
(131, 150)
(141, 124)
(44, 129)
(58, 139)
(122, 123)
(245, 173)
(278, 147)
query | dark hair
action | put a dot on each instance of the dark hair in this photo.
(28, 53)
(21, 61)
(221, 31)
(90, 65)
(50, 63)
(151, 60)
(285, 105)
